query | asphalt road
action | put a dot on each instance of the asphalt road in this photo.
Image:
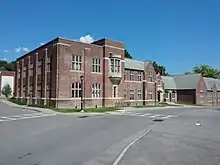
(99, 140)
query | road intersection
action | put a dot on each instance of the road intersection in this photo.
(128, 137)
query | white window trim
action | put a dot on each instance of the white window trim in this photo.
(96, 65)
(76, 62)
(78, 90)
(116, 65)
(131, 92)
(131, 74)
(96, 90)
(139, 76)
(116, 92)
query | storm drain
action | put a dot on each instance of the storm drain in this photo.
(83, 116)
(158, 120)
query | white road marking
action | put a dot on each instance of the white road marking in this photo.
(116, 162)
(24, 116)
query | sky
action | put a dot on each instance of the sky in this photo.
(178, 34)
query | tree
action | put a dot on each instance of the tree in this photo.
(207, 71)
(6, 90)
(160, 69)
(186, 73)
(127, 54)
(7, 66)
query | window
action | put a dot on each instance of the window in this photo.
(96, 90)
(131, 94)
(76, 62)
(114, 91)
(115, 65)
(140, 94)
(150, 95)
(131, 75)
(125, 75)
(76, 90)
(150, 76)
(139, 76)
(96, 65)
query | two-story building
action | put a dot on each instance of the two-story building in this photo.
(61, 71)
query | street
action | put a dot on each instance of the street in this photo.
(150, 136)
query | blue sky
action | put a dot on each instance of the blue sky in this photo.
(177, 34)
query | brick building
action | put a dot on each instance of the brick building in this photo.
(192, 88)
(51, 74)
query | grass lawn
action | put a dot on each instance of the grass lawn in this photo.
(100, 110)
(13, 100)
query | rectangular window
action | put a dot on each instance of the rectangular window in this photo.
(114, 91)
(96, 90)
(150, 95)
(76, 62)
(150, 76)
(115, 65)
(131, 94)
(96, 65)
(76, 90)
(140, 95)
(131, 75)
(139, 76)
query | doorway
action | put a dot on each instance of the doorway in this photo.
(158, 96)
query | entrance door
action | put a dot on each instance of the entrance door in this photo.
(158, 96)
(170, 97)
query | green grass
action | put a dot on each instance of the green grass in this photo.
(13, 100)
(187, 103)
(99, 110)
(149, 106)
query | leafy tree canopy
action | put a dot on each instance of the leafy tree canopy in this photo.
(160, 69)
(7, 66)
(206, 70)
(6, 90)
(127, 54)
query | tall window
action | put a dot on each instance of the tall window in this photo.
(131, 94)
(114, 91)
(139, 76)
(76, 62)
(202, 96)
(96, 65)
(96, 90)
(131, 75)
(140, 94)
(150, 95)
(115, 65)
(76, 90)
(150, 76)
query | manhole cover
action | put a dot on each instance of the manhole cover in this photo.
(83, 116)
(158, 120)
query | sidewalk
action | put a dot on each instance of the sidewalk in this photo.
(47, 110)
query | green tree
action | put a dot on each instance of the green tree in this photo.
(6, 90)
(160, 69)
(186, 73)
(7, 66)
(127, 54)
(207, 71)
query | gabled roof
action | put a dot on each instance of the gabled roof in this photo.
(209, 82)
(134, 64)
(181, 81)
(169, 82)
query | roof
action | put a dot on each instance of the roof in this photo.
(134, 64)
(181, 81)
(209, 82)
(169, 82)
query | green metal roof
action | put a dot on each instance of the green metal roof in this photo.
(134, 64)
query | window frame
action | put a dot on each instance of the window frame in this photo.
(139, 76)
(131, 75)
(139, 94)
(150, 94)
(150, 76)
(131, 94)
(96, 65)
(96, 90)
(76, 90)
(76, 62)
(115, 65)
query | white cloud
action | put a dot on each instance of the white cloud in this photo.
(21, 49)
(17, 50)
(4, 59)
(86, 39)
(25, 50)
(6, 51)
(41, 43)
